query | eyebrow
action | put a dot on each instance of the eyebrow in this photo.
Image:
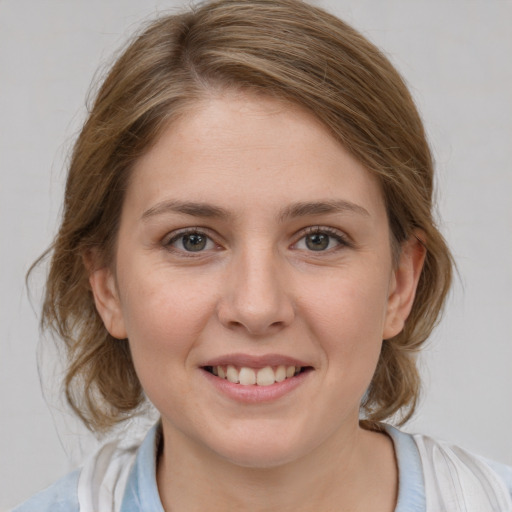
(304, 209)
(187, 208)
(300, 209)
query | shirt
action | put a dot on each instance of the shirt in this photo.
(125, 479)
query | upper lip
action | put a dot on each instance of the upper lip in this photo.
(251, 361)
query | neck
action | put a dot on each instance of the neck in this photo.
(355, 472)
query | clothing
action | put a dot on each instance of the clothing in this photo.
(433, 477)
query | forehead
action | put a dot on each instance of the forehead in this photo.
(240, 150)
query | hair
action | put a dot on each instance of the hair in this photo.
(292, 51)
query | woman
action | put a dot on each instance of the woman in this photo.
(247, 240)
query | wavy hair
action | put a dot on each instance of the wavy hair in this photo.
(284, 48)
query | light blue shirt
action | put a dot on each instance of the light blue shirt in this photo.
(141, 492)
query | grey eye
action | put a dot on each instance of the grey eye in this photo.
(190, 241)
(194, 242)
(322, 239)
(317, 241)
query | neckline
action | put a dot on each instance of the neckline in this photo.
(411, 486)
(142, 485)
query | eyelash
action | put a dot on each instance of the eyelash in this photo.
(176, 236)
(341, 239)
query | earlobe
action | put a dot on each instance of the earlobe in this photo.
(107, 302)
(404, 283)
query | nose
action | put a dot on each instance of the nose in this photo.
(257, 295)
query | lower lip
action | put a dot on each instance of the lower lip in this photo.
(254, 393)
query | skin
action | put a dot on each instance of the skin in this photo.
(257, 288)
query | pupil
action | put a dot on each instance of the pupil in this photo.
(317, 242)
(194, 242)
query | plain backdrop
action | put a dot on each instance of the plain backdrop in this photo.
(456, 57)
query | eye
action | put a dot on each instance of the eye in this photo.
(317, 241)
(190, 241)
(320, 239)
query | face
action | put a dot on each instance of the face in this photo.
(254, 281)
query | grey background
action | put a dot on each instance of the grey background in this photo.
(457, 57)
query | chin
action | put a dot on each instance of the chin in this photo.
(262, 450)
(260, 458)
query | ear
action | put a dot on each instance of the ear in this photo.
(106, 296)
(403, 284)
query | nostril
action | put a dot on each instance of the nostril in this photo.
(258, 329)
(255, 308)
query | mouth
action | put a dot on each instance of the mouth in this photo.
(247, 376)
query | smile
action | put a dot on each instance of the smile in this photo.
(247, 376)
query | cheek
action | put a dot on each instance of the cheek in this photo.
(347, 318)
(164, 323)
(164, 315)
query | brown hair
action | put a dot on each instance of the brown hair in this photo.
(284, 48)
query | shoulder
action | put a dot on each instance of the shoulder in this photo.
(453, 475)
(98, 485)
(60, 497)
(503, 471)
(436, 476)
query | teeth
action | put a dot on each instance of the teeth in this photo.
(265, 377)
(251, 376)
(280, 373)
(247, 377)
(232, 374)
